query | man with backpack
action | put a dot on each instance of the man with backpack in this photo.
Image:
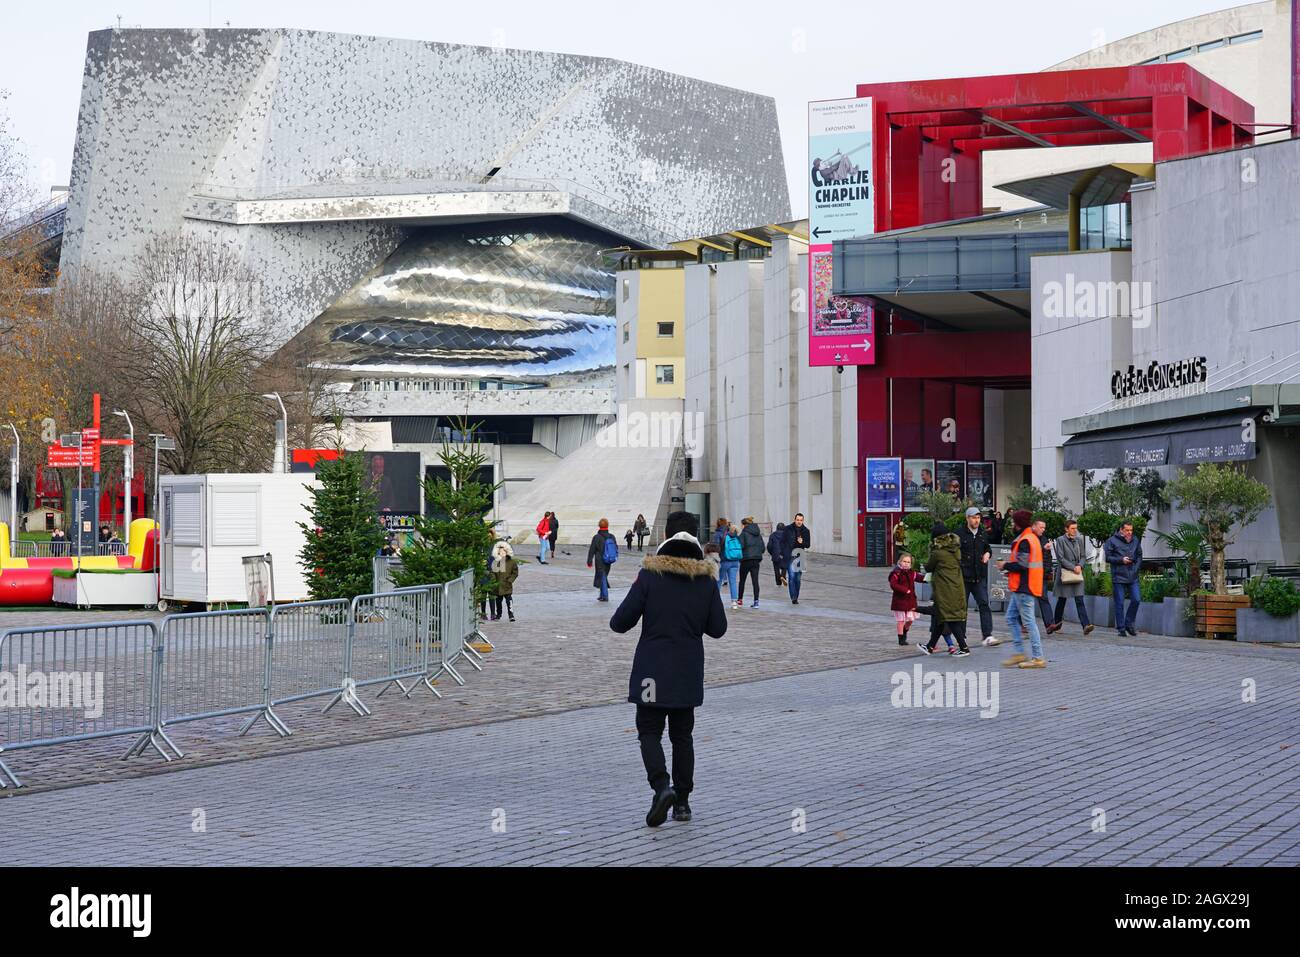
(601, 554)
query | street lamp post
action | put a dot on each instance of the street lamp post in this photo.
(160, 441)
(282, 435)
(128, 471)
(13, 492)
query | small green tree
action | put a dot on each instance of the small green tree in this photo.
(455, 533)
(939, 506)
(344, 533)
(1035, 499)
(1224, 500)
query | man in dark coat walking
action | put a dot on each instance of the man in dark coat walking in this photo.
(975, 553)
(675, 597)
(596, 559)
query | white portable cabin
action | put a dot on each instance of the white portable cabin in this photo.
(209, 523)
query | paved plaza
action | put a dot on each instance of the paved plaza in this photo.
(1124, 751)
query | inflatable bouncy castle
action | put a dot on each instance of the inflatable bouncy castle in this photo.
(30, 581)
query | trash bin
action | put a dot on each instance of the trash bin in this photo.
(259, 580)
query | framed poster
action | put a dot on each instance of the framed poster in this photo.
(950, 477)
(884, 485)
(918, 477)
(980, 484)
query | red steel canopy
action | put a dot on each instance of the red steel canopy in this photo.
(930, 136)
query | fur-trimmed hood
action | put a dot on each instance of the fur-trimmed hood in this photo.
(681, 555)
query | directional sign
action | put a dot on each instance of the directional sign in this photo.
(62, 457)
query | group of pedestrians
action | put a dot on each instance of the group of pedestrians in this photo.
(738, 553)
(957, 571)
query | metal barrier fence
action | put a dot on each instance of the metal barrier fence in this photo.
(65, 549)
(144, 677)
(77, 683)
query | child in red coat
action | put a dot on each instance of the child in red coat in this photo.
(902, 582)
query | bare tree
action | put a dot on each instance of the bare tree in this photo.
(197, 348)
(312, 392)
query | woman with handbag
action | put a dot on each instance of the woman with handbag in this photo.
(1071, 553)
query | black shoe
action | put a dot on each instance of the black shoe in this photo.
(659, 806)
(902, 641)
(1132, 632)
(682, 810)
(512, 616)
(794, 601)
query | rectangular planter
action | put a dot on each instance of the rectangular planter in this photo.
(1151, 618)
(1177, 620)
(1101, 610)
(1216, 615)
(1256, 625)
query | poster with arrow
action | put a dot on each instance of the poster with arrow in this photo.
(841, 329)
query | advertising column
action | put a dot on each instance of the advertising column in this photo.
(841, 329)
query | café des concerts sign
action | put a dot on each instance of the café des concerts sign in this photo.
(1159, 380)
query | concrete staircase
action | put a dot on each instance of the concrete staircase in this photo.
(601, 479)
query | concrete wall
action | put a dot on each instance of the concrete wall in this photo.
(1215, 246)
(770, 424)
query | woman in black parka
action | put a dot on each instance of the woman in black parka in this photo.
(675, 598)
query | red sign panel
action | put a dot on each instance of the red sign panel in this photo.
(61, 457)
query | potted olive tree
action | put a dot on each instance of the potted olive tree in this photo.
(1224, 500)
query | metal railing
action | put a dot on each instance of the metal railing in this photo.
(142, 677)
(66, 549)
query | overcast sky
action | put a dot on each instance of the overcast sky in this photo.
(793, 51)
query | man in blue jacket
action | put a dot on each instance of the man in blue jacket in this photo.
(675, 598)
(1124, 555)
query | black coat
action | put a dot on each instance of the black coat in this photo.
(776, 547)
(796, 537)
(974, 545)
(596, 555)
(751, 543)
(676, 599)
(554, 531)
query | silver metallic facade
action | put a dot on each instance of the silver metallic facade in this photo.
(326, 159)
(524, 300)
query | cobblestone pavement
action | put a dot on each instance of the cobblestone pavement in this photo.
(1114, 755)
(559, 656)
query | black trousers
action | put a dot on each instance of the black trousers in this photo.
(749, 566)
(650, 731)
(955, 628)
(496, 604)
(1079, 607)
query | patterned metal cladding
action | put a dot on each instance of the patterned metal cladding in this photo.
(521, 299)
(171, 118)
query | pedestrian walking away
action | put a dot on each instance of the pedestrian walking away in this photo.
(732, 552)
(776, 548)
(677, 603)
(602, 553)
(902, 583)
(504, 570)
(949, 615)
(543, 538)
(751, 556)
(1071, 553)
(798, 541)
(1123, 553)
(1025, 580)
(975, 554)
